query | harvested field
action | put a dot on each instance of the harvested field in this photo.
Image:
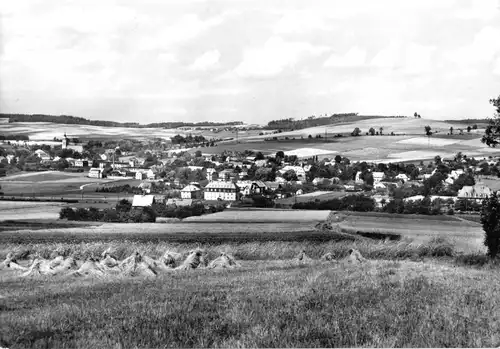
(465, 236)
(261, 304)
(432, 141)
(22, 210)
(260, 216)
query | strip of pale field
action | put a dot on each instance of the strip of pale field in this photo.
(262, 216)
(21, 210)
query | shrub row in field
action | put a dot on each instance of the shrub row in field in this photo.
(125, 213)
(351, 202)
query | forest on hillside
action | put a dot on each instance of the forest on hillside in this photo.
(68, 119)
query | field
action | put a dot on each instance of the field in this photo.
(46, 131)
(268, 301)
(262, 216)
(466, 236)
(409, 144)
(55, 184)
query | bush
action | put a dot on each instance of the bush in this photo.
(67, 213)
(451, 212)
(472, 259)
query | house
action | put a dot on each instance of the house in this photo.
(221, 191)
(133, 162)
(273, 186)
(210, 172)
(143, 200)
(378, 176)
(191, 192)
(140, 175)
(477, 192)
(400, 176)
(179, 202)
(152, 174)
(81, 163)
(260, 163)
(146, 187)
(96, 172)
(116, 165)
(225, 175)
(244, 187)
(160, 199)
(195, 168)
(258, 187)
(299, 171)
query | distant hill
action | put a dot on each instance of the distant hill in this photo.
(313, 121)
(75, 120)
(468, 121)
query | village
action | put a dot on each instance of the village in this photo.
(173, 176)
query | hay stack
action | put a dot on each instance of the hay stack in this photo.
(167, 261)
(109, 252)
(10, 262)
(54, 263)
(302, 257)
(109, 262)
(223, 261)
(35, 269)
(328, 257)
(192, 261)
(66, 265)
(134, 265)
(355, 257)
(90, 268)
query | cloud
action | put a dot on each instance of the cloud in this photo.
(485, 45)
(355, 57)
(274, 57)
(301, 22)
(418, 58)
(206, 61)
(388, 57)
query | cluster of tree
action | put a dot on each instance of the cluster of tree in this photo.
(491, 135)
(311, 121)
(416, 115)
(123, 214)
(178, 139)
(359, 203)
(424, 206)
(119, 189)
(14, 138)
(196, 209)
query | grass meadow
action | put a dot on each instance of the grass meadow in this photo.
(262, 304)
(409, 293)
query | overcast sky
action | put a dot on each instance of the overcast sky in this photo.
(195, 60)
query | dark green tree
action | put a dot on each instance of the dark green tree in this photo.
(490, 218)
(491, 135)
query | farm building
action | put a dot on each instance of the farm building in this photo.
(81, 163)
(220, 191)
(95, 172)
(210, 172)
(140, 175)
(191, 192)
(179, 202)
(143, 200)
(152, 174)
(478, 192)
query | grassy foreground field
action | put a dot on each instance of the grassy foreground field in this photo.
(410, 292)
(261, 304)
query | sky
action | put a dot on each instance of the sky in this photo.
(249, 60)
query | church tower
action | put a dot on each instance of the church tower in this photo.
(65, 141)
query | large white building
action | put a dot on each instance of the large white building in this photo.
(220, 191)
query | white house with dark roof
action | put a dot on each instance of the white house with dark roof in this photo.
(190, 192)
(220, 191)
(143, 200)
(477, 192)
